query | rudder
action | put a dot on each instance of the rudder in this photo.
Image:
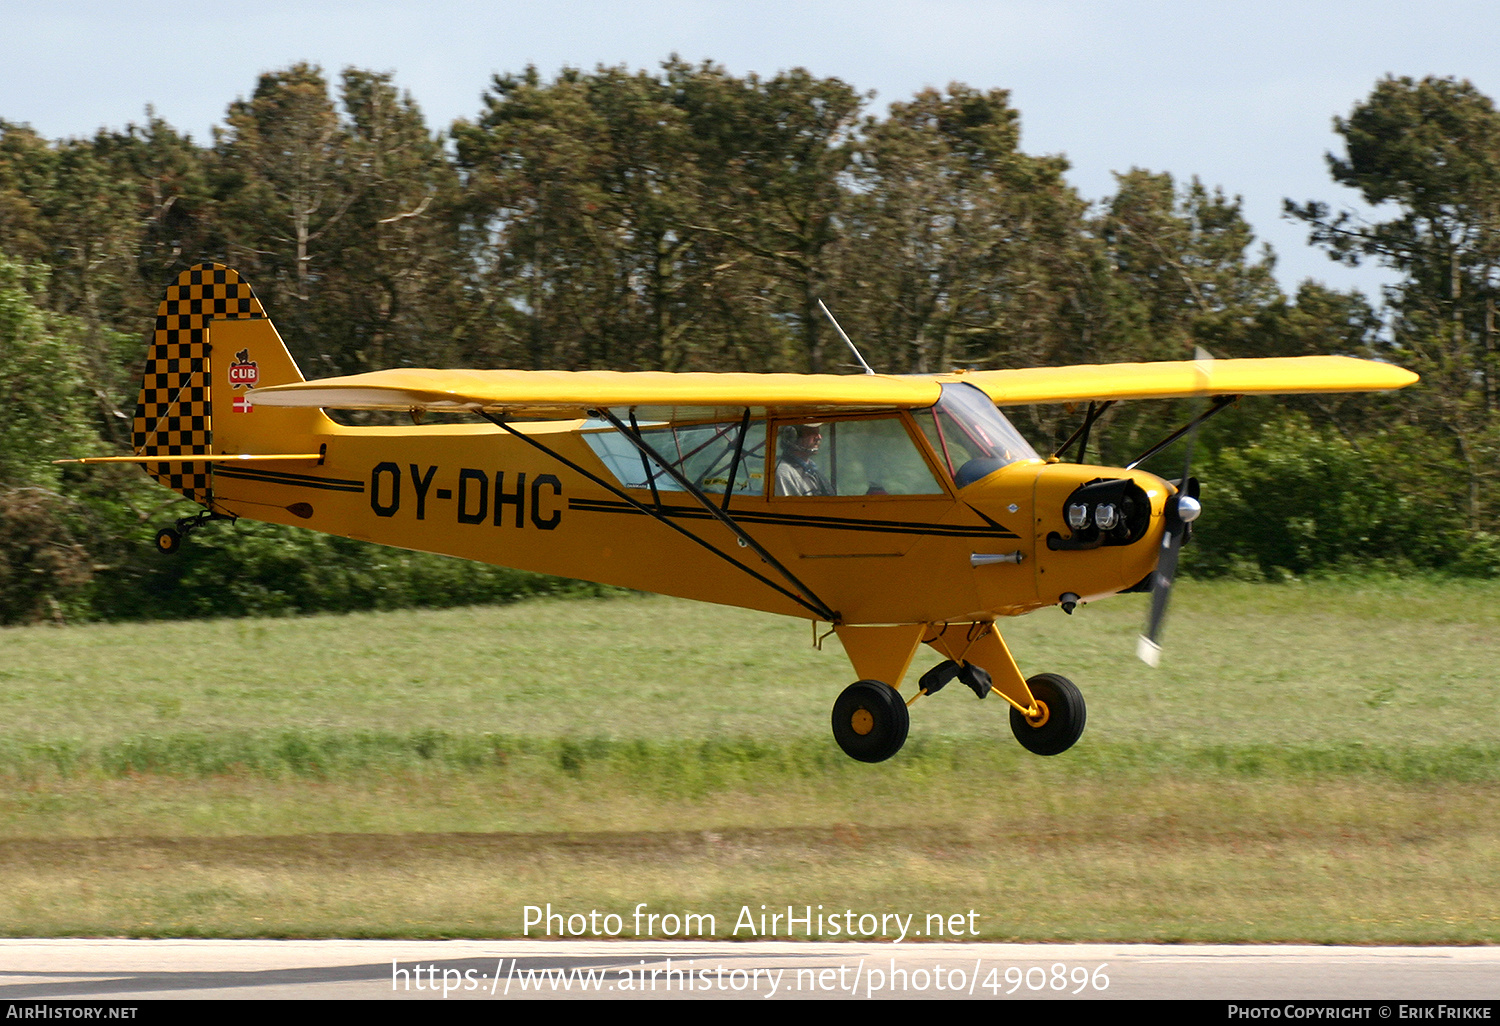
(174, 413)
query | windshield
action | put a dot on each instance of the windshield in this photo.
(970, 435)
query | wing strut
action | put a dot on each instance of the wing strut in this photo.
(1095, 411)
(1219, 403)
(810, 602)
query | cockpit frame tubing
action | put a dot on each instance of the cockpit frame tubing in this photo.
(815, 606)
(646, 468)
(937, 425)
(812, 601)
(734, 464)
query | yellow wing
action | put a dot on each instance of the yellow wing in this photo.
(661, 395)
(1170, 380)
(571, 394)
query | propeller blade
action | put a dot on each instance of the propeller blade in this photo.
(1182, 509)
(1148, 649)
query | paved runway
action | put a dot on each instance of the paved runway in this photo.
(138, 970)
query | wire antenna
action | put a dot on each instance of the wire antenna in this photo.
(842, 334)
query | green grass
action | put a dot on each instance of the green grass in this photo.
(1386, 662)
(1314, 762)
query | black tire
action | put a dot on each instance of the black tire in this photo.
(168, 541)
(1066, 716)
(870, 721)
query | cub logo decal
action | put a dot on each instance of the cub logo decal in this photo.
(243, 372)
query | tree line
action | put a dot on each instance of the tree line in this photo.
(689, 219)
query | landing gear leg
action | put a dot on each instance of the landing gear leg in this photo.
(1047, 713)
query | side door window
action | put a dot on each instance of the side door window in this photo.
(702, 453)
(873, 456)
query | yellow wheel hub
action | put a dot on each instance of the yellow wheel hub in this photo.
(862, 722)
(1041, 717)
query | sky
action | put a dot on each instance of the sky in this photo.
(1240, 95)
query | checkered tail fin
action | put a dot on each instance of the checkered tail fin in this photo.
(175, 413)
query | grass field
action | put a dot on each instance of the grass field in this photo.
(1315, 762)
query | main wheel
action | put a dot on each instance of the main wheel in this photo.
(1061, 719)
(870, 721)
(168, 541)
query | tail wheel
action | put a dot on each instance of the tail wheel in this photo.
(168, 541)
(1060, 720)
(870, 721)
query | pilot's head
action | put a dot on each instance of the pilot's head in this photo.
(802, 438)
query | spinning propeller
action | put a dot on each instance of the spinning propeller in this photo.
(1181, 510)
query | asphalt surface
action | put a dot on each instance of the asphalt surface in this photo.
(106, 970)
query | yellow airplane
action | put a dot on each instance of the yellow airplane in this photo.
(901, 510)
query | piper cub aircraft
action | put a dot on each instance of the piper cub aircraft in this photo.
(902, 510)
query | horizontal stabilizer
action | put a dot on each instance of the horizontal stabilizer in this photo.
(198, 458)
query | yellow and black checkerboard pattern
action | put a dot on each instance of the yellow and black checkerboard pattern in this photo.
(174, 416)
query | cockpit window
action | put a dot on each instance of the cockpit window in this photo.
(875, 456)
(702, 453)
(970, 435)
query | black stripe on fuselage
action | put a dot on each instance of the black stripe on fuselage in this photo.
(281, 477)
(790, 520)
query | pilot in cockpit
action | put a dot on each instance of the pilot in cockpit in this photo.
(797, 471)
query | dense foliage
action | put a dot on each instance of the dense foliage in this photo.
(687, 219)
